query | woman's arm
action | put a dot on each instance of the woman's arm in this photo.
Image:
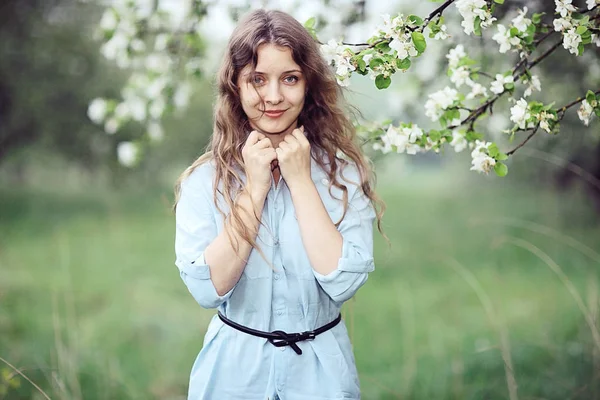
(322, 241)
(226, 266)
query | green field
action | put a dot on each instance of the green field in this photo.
(465, 303)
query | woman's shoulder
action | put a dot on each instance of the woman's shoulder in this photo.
(200, 177)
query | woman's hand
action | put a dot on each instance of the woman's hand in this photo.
(293, 155)
(258, 153)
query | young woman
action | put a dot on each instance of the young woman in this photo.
(274, 224)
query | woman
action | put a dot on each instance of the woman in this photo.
(274, 223)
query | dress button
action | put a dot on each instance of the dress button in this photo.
(279, 312)
(325, 181)
(282, 348)
(276, 276)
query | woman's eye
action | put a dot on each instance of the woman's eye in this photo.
(291, 79)
(257, 80)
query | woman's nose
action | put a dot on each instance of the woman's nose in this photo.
(273, 94)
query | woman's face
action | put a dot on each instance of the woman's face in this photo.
(273, 97)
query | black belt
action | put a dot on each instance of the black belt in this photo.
(281, 338)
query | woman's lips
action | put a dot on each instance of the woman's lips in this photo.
(274, 114)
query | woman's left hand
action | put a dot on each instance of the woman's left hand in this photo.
(293, 155)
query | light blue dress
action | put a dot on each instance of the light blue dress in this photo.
(293, 298)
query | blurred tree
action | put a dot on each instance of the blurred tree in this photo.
(49, 69)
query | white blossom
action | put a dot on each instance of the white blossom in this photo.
(181, 98)
(504, 39)
(155, 132)
(459, 141)
(122, 111)
(596, 39)
(403, 138)
(585, 112)
(158, 62)
(160, 42)
(571, 41)
(115, 46)
(127, 153)
(481, 161)
(111, 126)
(519, 113)
(404, 45)
(97, 110)
(330, 51)
(442, 33)
(564, 7)
(592, 3)
(157, 107)
(471, 9)
(391, 26)
(338, 56)
(460, 76)
(455, 55)
(520, 21)
(497, 86)
(534, 83)
(136, 107)
(562, 24)
(440, 101)
(137, 45)
(544, 118)
(109, 21)
(155, 88)
(477, 90)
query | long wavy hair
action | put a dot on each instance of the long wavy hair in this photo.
(328, 127)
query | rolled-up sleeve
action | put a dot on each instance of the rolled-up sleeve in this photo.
(356, 260)
(195, 229)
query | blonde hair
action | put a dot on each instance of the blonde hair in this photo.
(327, 126)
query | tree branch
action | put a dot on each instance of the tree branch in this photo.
(561, 110)
(524, 141)
(435, 12)
(573, 103)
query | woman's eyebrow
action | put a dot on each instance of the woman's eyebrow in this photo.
(285, 72)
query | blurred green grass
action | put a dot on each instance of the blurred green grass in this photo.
(92, 307)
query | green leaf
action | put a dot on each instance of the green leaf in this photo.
(500, 169)
(597, 111)
(590, 96)
(384, 47)
(537, 18)
(435, 135)
(580, 49)
(499, 1)
(375, 62)
(493, 150)
(581, 30)
(310, 23)
(382, 82)
(471, 136)
(362, 65)
(416, 20)
(477, 27)
(509, 86)
(514, 31)
(501, 156)
(419, 41)
(403, 64)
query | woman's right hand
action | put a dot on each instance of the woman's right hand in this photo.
(258, 153)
